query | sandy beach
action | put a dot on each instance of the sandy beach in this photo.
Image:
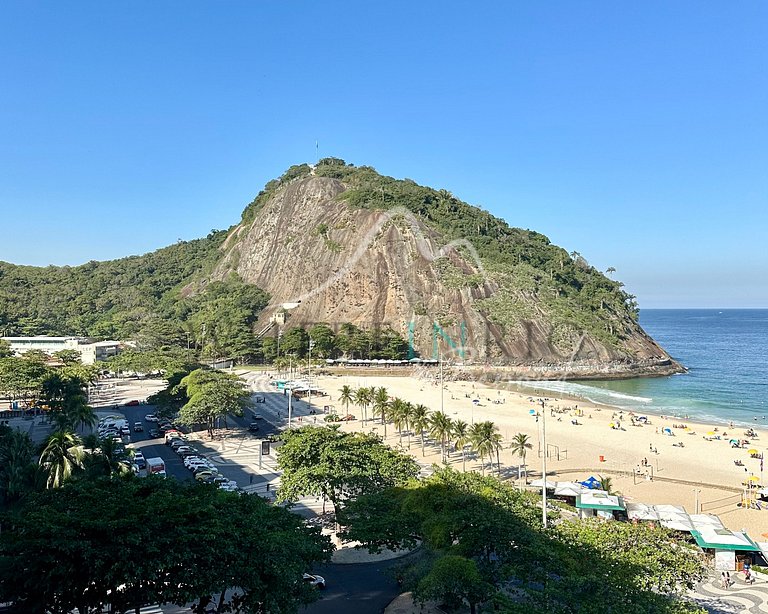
(579, 435)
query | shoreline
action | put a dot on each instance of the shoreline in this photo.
(697, 464)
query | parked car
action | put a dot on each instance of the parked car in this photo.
(259, 399)
(154, 433)
(151, 418)
(166, 427)
(253, 427)
(184, 448)
(314, 580)
(133, 403)
(138, 427)
(186, 453)
(258, 416)
(206, 475)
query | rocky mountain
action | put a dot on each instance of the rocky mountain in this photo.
(354, 246)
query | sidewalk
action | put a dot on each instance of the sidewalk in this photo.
(404, 604)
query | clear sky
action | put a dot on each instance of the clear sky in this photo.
(634, 133)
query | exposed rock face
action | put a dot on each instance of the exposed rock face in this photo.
(375, 268)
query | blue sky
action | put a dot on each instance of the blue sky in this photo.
(636, 134)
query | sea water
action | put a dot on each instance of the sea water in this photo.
(726, 353)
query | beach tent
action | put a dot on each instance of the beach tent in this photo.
(705, 521)
(592, 482)
(674, 517)
(569, 489)
(539, 483)
(641, 511)
(593, 502)
(667, 430)
(724, 539)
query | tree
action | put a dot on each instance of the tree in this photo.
(68, 357)
(296, 342)
(420, 421)
(212, 395)
(399, 411)
(5, 349)
(17, 467)
(453, 580)
(340, 466)
(363, 398)
(440, 428)
(60, 457)
(460, 435)
(606, 484)
(587, 566)
(325, 340)
(96, 535)
(520, 445)
(481, 435)
(346, 396)
(381, 406)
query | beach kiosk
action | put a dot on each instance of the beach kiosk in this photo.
(599, 503)
(731, 549)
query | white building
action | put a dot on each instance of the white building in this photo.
(90, 351)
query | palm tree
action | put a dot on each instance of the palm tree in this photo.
(381, 406)
(606, 484)
(520, 445)
(16, 468)
(408, 417)
(420, 421)
(346, 397)
(60, 457)
(363, 398)
(440, 428)
(111, 460)
(91, 442)
(481, 435)
(397, 415)
(461, 437)
(83, 415)
(497, 441)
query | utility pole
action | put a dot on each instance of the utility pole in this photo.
(544, 466)
(290, 407)
(309, 374)
(442, 404)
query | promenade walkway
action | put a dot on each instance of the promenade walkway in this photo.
(740, 597)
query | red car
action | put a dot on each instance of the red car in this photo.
(347, 417)
(133, 403)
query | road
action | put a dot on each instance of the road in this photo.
(354, 589)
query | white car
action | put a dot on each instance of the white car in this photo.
(151, 418)
(138, 456)
(314, 580)
(230, 486)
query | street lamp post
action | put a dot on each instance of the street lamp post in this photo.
(544, 466)
(290, 406)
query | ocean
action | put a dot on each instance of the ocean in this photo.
(726, 352)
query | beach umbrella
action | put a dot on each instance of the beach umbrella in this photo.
(532, 411)
(752, 451)
(711, 434)
(753, 478)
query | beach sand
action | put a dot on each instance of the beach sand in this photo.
(704, 465)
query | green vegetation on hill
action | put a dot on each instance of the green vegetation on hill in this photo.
(139, 297)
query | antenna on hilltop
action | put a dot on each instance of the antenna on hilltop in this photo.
(317, 152)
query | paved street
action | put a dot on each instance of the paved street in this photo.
(356, 589)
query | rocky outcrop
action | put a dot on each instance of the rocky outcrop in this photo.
(388, 269)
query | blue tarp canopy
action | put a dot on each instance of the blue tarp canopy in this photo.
(592, 483)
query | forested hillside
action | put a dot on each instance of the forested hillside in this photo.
(139, 297)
